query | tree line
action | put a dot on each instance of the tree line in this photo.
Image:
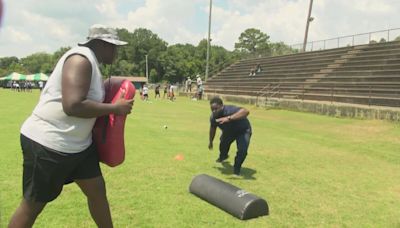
(172, 63)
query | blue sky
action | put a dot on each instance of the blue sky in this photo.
(31, 26)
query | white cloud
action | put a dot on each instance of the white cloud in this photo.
(169, 19)
(370, 6)
(108, 8)
(54, 28)
(272, 19)
(55, 24)
(16, 36)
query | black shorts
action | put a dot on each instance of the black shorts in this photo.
(45, 171)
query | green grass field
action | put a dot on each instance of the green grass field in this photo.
(314, 171)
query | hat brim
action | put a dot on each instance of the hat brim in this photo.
(111, 41)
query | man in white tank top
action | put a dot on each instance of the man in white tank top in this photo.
(56, 139)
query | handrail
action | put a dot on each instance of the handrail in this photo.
(259, 93)
(265, 87)
(273, 89)
(332, 89)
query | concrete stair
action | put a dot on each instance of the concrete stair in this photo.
(333, 75)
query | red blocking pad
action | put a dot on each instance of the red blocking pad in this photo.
(108, 131)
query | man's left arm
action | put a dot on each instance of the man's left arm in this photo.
(242, 113)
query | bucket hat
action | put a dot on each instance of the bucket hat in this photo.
(102, 32)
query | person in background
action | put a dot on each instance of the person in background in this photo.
(200, 93)
(189, 85)
(145, 92)
(166, 91)
(186, 85)
(41, 85)
(252, 72)
(23, 86)
(17, 86)
(199, 81)
(56, 139)
(157, 91)
(235, 126)
(258, 68)
(29, 87)
(172, 92)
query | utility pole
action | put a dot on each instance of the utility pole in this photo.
(309, 19)
(208, 42)
(147, 70)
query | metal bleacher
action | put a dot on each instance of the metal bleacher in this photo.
(364, 74)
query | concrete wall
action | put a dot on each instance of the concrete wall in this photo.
(324, 108)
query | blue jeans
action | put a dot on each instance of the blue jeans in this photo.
(242, 143)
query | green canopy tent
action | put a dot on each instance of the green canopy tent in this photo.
(20, 77)
(37, 77)
(13, 77)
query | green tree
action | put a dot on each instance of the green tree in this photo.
(123, 67)
(7, 64)
(33, 63)
(141, 42)
(7, 61)
(166, 63)
(219, 59)
(253, 41)
(58, 54)
(154, 77)
(281, 48)
(177, 62)
(14, 67)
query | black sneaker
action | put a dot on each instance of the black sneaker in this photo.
(220, 160)
(236, 172)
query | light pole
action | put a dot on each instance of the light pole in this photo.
(309, 19)
(147, 70)
(208, 42)
(1, 11)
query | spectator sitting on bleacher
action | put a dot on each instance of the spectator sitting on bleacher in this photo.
(252, 72)
(258, 68)
(255, 70)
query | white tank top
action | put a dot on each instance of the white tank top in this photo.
(49, 125)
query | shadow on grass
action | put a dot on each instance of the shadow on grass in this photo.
(246, 173)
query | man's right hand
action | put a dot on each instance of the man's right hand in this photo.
(123, 106)
(210, 146)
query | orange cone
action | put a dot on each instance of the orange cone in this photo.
(179, 157)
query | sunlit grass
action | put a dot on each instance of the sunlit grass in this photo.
(313, 170)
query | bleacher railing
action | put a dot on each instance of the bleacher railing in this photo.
(351, 40)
